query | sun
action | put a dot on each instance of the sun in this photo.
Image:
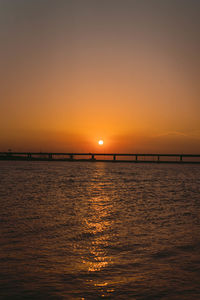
(100, 142)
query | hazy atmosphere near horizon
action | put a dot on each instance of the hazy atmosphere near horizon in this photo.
(125, 71)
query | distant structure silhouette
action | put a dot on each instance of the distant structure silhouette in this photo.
(97, 157)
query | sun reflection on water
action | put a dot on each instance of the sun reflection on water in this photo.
(99, 224)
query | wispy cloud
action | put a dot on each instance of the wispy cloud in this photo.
(193, 134)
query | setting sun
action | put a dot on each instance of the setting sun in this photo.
(100, 142)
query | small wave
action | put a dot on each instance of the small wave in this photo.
(163, 254)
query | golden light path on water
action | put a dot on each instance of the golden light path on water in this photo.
(98, 223)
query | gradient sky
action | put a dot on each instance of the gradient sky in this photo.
(76, 71)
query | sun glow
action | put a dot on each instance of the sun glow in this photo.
(100, 142)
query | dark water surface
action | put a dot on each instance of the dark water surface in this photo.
(99, 230)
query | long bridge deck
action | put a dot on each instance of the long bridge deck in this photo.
(96, 157)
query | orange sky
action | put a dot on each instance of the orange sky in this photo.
(74, 72)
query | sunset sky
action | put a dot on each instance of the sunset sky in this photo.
(77, 71)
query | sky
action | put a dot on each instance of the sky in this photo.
(76, 71)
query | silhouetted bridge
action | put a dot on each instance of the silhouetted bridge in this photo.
(108, 157)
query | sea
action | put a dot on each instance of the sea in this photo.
(95, 230)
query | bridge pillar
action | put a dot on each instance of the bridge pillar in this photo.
(71, 156)
(158, 158)
(114, 157)
(92, 157)
(29, 156)
(136, 158)
(181, 158)
(50, 156)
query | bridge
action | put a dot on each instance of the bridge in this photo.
(96, 157)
